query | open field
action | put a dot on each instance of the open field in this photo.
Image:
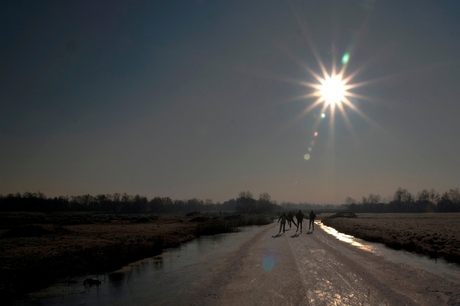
(37, 249)
(433, 234)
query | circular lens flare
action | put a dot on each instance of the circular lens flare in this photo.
(268, 263)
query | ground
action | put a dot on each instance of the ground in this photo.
(59, 245)
(314, 269)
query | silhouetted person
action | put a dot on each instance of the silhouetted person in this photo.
(299, 217)
(312, 221)
(283, 218)
(290, 218)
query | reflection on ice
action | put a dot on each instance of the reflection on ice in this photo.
(346, 238)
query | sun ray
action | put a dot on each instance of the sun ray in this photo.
(308, 37)
(347, 120)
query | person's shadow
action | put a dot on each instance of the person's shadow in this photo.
(295, 235)
(278, 235)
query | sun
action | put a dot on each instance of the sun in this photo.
(332, 90)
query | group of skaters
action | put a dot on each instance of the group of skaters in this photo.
(299, 216)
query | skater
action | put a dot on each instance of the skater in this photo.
(311, 224)
(283, 218)
(299, 217)
(290, 219)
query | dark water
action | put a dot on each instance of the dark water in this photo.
(170, 279)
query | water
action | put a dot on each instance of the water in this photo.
(173, 277)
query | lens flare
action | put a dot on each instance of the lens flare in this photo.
(268, 263)
(345, 58)
(306, 156)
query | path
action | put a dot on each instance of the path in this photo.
(317, 269)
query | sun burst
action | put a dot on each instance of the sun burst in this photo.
(333, 90)
(333, 94)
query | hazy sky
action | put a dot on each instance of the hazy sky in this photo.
(204, 98)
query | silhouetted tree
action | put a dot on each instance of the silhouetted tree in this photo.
(246, 203)
(349, 201)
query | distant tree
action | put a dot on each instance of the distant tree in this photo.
(402, 196)
(116, 197)
(423, 196)
(454, 195)
(354, 207)
(139, 204)
(265, 197)
(434, 196)
(445, 204)
(208, 202)
(374, 198)
(156, 205)
(264, 203)
(450, 201)
(402, 201)
(349, 201)
(230, 205)
(246, 202)
(245, 195)
(194, 204)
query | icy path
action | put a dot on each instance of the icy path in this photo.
(317, 269)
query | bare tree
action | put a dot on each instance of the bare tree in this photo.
(264, 197)
(434, 196)
(454, 195)
(245, 195)
(247, 201)
(374, 198)
(350, 201)
(423, 196)
(402, 195)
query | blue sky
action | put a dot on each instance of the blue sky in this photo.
(202, 98)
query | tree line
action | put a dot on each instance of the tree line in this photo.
(125, 203)
(405, 202)
(402, 201)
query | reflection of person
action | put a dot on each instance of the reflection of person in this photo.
(312, 221)
(283, 221)
(299, 217)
